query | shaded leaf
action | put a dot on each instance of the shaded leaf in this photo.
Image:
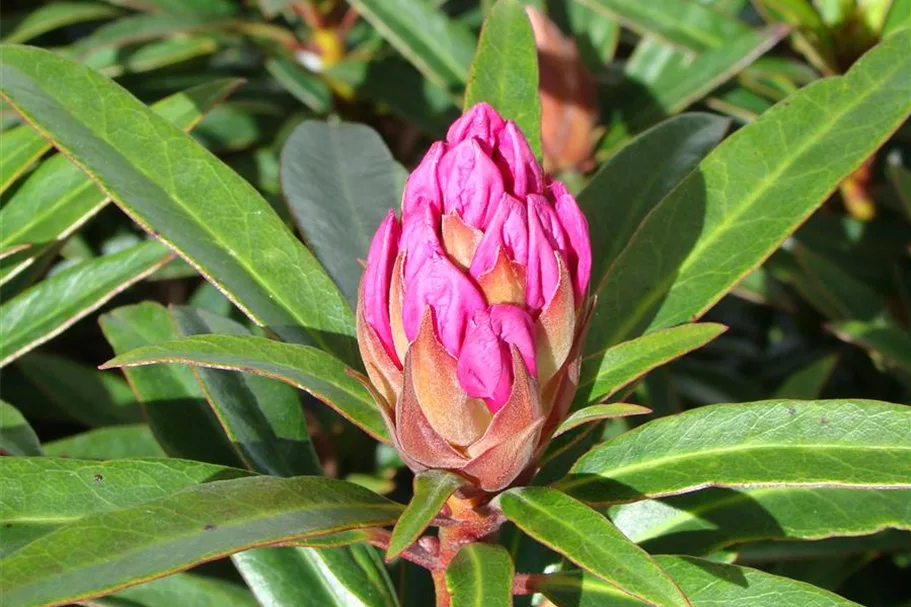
(431, 490)
(809, 381)
(890, 342)
(480, 575)
(20, 148)
(56, 15)
(128, 441)
(16, 435)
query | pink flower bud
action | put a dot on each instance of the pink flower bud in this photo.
(471, 311)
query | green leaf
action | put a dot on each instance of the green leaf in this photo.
(301, 366)
(591, 541)
(708, 584)
(58, 197)
(431, 490)
(606, 372)
(599, 412)
(209, 214)
(898, 17)
(20, 148)
(262, 417)
(207, 8)
(439, 47)
(847, 296)
(504, 72)
(838, 443)
(181, 589)
(480, 575)
(890, 342)
(46, 493)
(47, 309)
(16, 436)
(811, 37)
(114, 442)
(89, 396)
(53, 16)
(688, 25)
(703, 522)
(728, 216)
(809, 381)
(629, 185)
(197, 524)
(340, 181)
(181, 420)
(305, 86)
(132, 30)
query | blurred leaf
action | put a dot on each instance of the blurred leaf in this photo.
(890, 342)
(809, 381)
(849, 297)
(340, 181)
(157, 54)
(595, 413)
(185, 589)
(706, 521)
(839, 443)
(605, 373)
(898, 17)
(181, 420)
(591, 541)
(596, 34)
(91, 397)
(182, 529)
(686, 24)
(728, 216)
(16, 436)
(480, 575)
(113, 442)
(431, 490)
(207, 8)
(50, 307)
(811, 36)
(901, 180)
(216, 220)
(20, 148)
(305, 86)
(707, 584)
(305, 368)
(134, 29)
(438, 46)
(56, 15)
(44, 494)
(504, 72)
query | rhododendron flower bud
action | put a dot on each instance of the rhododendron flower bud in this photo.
(472, 307)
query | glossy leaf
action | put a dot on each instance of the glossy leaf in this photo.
(591, 541)
(595, 413)
(46, 493)
(127, 441)
(707, 583)
(480, 575)
(838, 443)
(181, 589)
(197, 524)
(181, 420)
(208, 213)
(890, 342)
(20, 148)
(504, 72)
(16, 435)
(707, 226)
(48, 308)
(58, 197)
(301, 366)
(439, 47)
(56, 15)
(340, 181)
(606, 372)
(703, 522)
(431, 490)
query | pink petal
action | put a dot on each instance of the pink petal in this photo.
(481, 122)
(508, 230)
(423, 185)
(471, 182)
(420, 240)
(377, 276)
(522, 172)
(579, 249)
(451, 295)
(543, 274)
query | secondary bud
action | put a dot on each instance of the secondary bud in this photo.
(472, 306)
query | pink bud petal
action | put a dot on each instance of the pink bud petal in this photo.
(579, 249)
(485, 364)
(481, 122)
(420, 240)
(508, 230)
(380, 259)
(451, 295)
(543, 273)
(423, 185)
(472, 184)
(522, 172)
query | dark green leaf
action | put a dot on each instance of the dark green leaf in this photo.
(114, 442)
(809, 381)
(340, 181)
(304, 85)
(888, 341)
(480, 575)
(301, 366)
(185, 589)
(504, 72)
(838, 443)
(595, 413)
(591, 541)
(127, 546)
(56, 15)
(48, 308)
(431, 490)
(16, 436)
(20, 147)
